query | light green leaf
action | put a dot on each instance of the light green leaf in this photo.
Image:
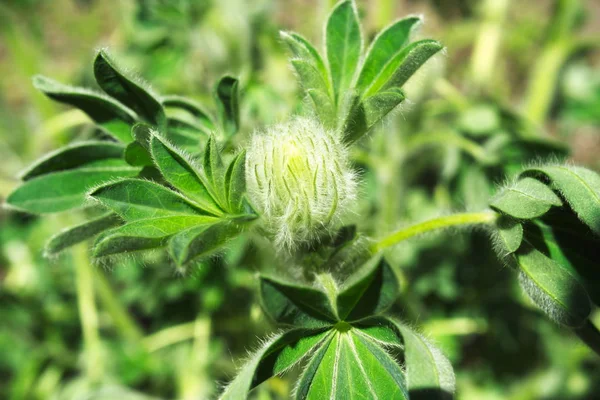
(293, 304)
(528, 198)
(180, 171)
(110, 115)
(382, 57)
(144, 234)
(323, 107)
(213, 165)
(190, 106)
(79, 233)
(429, 373)
(379, 105)
(510, 232)
(369, 291)
(73, 156)
(123, 87)
(136, 199)
(199, 241)
(227, 99)
(65, 190)
(344, 45)
(303, 50)
(352, 366)
(274, 357)
(309, 76)
(553, 288)
(405, 64)
(581, 189)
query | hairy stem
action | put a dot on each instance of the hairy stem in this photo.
(590, 335)
(484, 217)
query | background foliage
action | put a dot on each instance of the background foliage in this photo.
(518, 80)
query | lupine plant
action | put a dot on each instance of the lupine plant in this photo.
(168, 173)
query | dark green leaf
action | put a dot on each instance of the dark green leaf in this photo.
(180, 171)
(80, 233)
(382, 55)
(213, 165)
(190, 106)
(355, 123)
(323, 107)
(136, 199)
(201, 241)
(137, 155)
(344, 45)
(64, 190)
(129, 91)
(144, 234)
(297, 305)
(235, 183)
(581, 189)
(227, 96)
(379, 105)
(73, 156)
(553, 288)
(429, 373)
(510, 232)
(113, 117)
(528, 198)
(369, 291)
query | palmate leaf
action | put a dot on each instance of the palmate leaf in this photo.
(65, 190)
(112, 116)
(123, 87)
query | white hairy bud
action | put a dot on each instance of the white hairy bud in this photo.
(300, 180)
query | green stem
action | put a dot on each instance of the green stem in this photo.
(88, 313)
(169, 336)
(485, 217)
(590, 335)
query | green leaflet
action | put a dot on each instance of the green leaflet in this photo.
(528, 198)
(137, 156)
(510, 232)
(65, 190)
(275, 356)
(80, 233)
(309, 76)
(355, 124)
(579, 186)
(344, 45)
(136, 199)
(302, 49)
(383, 52)
(235, 183)
(195, 109)
(429, 373)
(379, 105)
(179, 171)
(227, 100)
(73, 156)
(144, 234)
(413, 57)
(351, 366)
(561, 236)
(185, 135)
(553, 288)
(323, 107)
(125, 89)
(212, 165)
(369, 291)
(199, 241)
(297, 305)
(110, 115)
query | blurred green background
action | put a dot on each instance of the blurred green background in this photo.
(136, 328)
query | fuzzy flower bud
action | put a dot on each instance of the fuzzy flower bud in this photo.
(299, 177)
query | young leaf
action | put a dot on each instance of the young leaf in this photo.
(369, 291)
(275, 356)
(302, 49)
(213, 164)
(528, 198)
(510, 232)
(200, 241)
(79, 233)
(553, 288)
(227, 94)
(429, 373)
(144, 234)
(383, 51)
(73, 156)
(180, 172)
(118, 84)
(110, 115)
(64, 190)
(297, 305)
(351, 363)
(581, 189)
(235, 182)
(136, 199)
(410, 60)
(190, 106)
(344, 45)
(379, 105)
(309, 76)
